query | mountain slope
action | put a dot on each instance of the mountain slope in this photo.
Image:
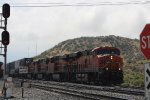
(129, 47)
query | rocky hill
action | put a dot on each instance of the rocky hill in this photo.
(129, 47)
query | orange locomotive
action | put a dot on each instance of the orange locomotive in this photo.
(109, 64)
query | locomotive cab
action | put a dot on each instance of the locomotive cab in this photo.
(109, 63)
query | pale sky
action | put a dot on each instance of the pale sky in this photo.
(36, 29)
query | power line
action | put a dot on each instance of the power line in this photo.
(48, 4)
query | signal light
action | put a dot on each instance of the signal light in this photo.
(6, 10)
(5, 37)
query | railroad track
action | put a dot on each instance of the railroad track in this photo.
(75, 92)
(90, 92)
(115, 89)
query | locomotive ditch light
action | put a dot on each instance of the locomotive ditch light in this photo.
(106, 68)
(111, 57)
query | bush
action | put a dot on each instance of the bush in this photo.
(133, 79)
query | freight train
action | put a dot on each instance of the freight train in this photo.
(99, 65)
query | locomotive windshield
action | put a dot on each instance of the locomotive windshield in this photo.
(107, 51)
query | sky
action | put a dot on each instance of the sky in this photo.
(36, 29)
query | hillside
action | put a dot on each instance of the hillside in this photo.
(130, 51)
(129, 47)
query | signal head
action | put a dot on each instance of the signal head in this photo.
(5, 37)
(6, 10)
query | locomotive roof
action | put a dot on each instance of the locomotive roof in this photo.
(80, 53)
(105, 48)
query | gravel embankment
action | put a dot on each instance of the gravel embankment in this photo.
(37, 94)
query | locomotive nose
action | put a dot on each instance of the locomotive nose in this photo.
(112, 68)
(110, 62)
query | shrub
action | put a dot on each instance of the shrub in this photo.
(133, 79)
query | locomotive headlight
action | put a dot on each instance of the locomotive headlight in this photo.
(106, 68)
(111, 57)
(119, 68)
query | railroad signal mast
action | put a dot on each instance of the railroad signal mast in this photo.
(5, 34)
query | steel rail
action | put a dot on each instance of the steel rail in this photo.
(129, 91)
(75, 92)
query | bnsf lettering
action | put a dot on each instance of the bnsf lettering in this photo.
(145, 42)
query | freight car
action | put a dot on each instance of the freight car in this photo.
(19, 68)
(101, 65)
